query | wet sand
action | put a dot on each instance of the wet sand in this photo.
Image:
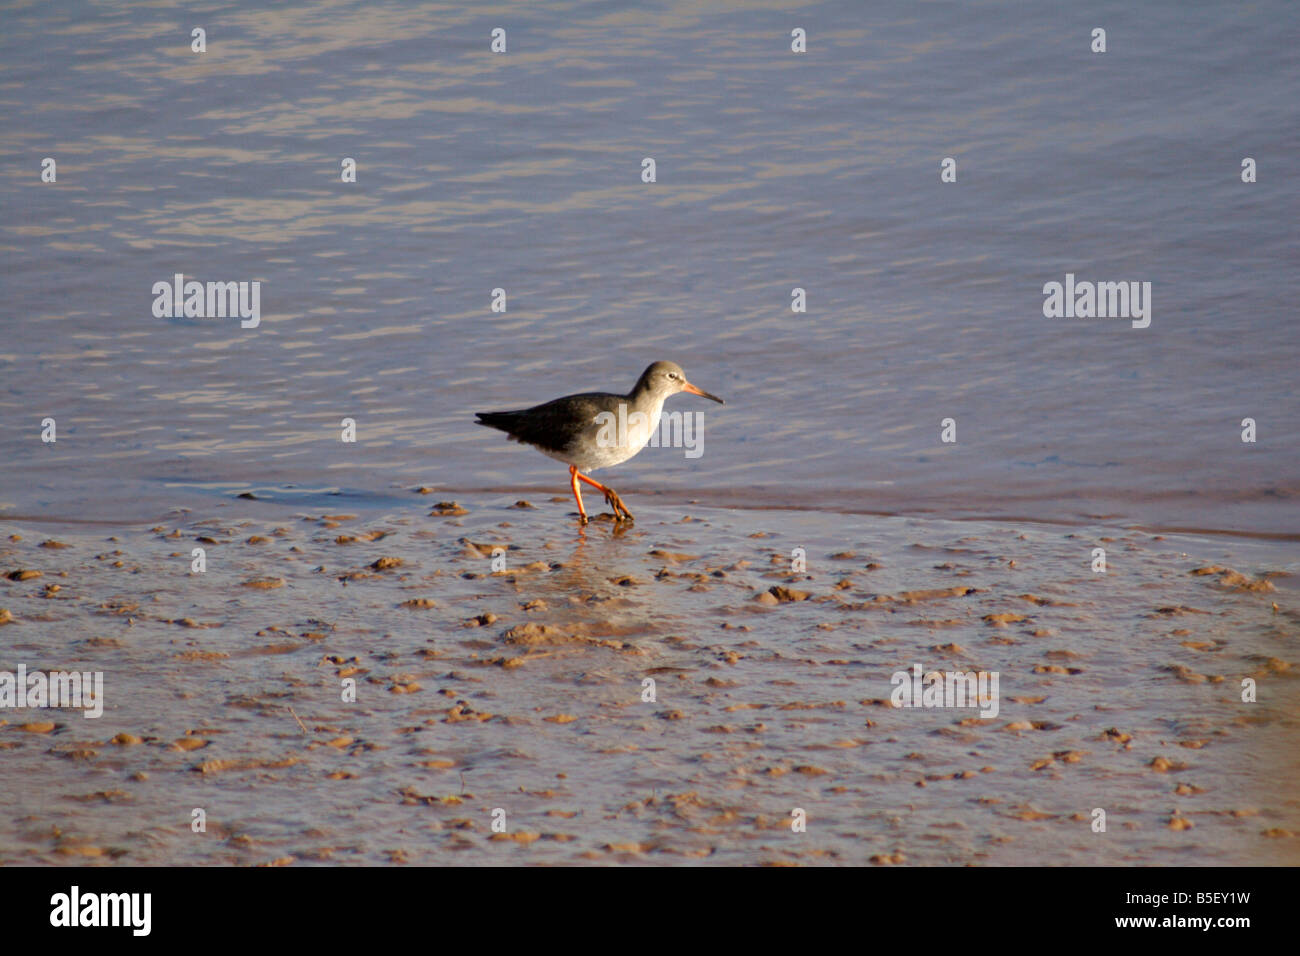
(520, 689)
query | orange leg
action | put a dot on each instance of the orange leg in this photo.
(577, 495)
(615, 502)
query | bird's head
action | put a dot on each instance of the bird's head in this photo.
(667, 378)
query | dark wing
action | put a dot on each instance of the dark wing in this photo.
(554, 425)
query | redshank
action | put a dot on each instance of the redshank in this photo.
(594, 430)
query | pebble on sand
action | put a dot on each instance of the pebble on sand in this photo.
(779, 595)
(1235, 580)
(79, 850)
(418, 604)
(1002, 620)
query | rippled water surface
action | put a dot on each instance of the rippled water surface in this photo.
(775, 170)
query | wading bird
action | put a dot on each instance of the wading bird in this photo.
(594, 430)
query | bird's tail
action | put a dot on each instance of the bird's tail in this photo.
(502, 420)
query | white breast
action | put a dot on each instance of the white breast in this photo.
(615, 441)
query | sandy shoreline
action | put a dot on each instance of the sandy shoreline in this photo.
(521, 690)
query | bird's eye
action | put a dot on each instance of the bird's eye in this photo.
(672, 374)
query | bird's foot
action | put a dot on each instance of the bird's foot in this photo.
(620, 510)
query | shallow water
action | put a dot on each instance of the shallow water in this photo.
(774, 171)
